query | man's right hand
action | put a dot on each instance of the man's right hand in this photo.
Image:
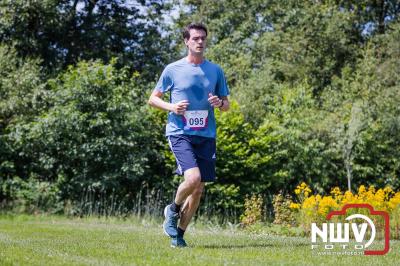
(179, 108)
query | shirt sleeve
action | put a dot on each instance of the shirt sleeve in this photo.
(222, 87)
(165, 82)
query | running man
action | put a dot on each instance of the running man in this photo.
(196, 87)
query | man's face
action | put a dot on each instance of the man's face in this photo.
(197, 41)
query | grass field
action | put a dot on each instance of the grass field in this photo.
(44, 240)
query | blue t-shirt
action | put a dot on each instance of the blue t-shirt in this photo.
(187, 81)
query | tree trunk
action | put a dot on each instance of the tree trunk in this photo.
(381, 9)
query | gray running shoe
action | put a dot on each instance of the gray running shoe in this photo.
(178, 242)
(170, 224)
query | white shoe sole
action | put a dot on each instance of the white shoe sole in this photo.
(165, 216)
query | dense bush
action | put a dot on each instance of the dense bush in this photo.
(315, 91)
(96, 134)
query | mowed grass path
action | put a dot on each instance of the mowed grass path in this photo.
(41, 240)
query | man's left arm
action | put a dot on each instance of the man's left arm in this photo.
(224, 104)
(219, 102)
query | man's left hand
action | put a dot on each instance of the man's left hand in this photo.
(214, 100)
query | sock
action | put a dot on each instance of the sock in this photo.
(175, 207)
(180, 232)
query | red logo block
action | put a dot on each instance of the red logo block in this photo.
(383, 214)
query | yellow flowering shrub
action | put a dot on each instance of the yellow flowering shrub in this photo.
(253, 210)
(326, 205)
(314, 208)
(282, 209)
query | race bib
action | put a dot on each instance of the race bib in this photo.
(195, 120)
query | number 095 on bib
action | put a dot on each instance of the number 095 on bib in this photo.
(195, 120)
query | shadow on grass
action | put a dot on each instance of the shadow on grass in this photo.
(249, 245)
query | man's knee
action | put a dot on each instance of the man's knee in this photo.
(194, 182)
(193, 177)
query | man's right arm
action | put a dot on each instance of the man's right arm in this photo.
(156, 100)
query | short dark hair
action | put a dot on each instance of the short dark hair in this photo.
(193, 25)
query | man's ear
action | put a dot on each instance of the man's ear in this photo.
(186, 41)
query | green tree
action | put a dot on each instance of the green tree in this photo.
(21, 98)
(95, 136)
(373, 16)
(363, 113)
(64, 32)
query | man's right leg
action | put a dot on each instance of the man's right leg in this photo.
(192, 181)
(186, 188)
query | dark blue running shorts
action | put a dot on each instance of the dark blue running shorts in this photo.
(194, 151)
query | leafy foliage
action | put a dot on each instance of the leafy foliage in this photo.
(315, 92)
(64, 32)
(253, 210)
(94, 135)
